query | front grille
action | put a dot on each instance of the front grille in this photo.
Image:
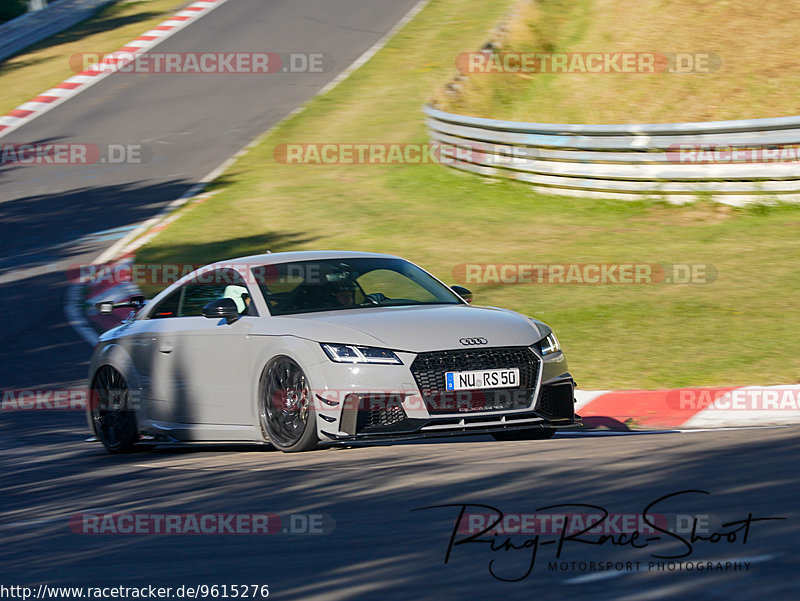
(379, 413)
(429, 371)
(557, 402)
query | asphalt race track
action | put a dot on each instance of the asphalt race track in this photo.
(372, 544)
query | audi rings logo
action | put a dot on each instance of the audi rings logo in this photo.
(473, 341)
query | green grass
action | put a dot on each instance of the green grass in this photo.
(46, 64)
(740, 329)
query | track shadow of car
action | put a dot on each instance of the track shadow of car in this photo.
(605, 423)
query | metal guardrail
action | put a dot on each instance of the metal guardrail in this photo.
(631, 161)
(33, 27)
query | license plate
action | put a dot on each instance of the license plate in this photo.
(482, 378)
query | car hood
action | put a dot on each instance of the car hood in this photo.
(416, 328)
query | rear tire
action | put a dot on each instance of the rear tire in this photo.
(110, 413)
(531, 434)
(286, 407)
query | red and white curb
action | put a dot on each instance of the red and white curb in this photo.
(690, 408)
(97, 72)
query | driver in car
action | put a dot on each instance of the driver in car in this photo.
(344, 293)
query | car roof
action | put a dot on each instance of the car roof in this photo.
(302, 255)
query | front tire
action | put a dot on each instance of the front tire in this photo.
(287, 411)
(531, 434)
(110, 413)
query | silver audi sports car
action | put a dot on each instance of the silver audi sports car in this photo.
(301, 347)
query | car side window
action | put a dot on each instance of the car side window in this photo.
(196, 296)
(167, 307)
(220, 283)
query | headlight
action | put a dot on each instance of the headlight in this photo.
(550, 344)
(345, 353)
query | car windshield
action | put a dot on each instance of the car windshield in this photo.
(340, 284)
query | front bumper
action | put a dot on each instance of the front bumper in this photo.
(367, 417)
(437, 428)
(405, 411)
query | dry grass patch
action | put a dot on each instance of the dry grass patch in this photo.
(756, 43)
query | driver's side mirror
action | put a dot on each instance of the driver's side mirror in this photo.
(222, 308)
(462, 292)
(107, 307)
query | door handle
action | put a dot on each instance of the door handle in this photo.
(166, 347)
